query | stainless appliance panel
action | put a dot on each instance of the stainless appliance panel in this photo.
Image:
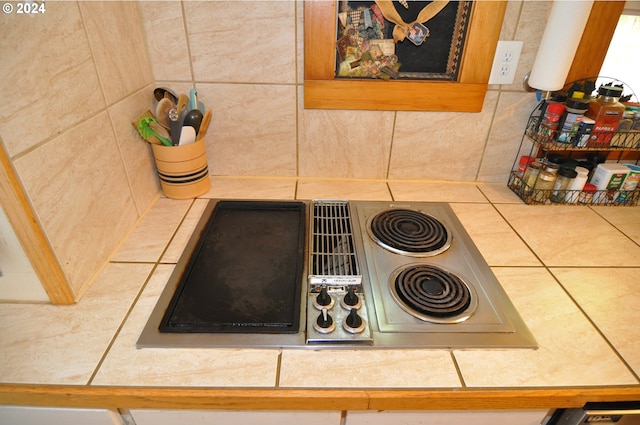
(494, 322)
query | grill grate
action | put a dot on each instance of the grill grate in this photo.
(332, 250)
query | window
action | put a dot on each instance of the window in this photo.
(622, 60)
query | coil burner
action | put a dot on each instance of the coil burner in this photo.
(409, 232)
(432, 294)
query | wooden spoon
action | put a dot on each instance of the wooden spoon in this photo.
(183, 100)
(204, 125)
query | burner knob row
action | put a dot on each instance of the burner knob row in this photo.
(325, 324)
(348, 302)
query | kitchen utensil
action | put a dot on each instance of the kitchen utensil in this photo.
(183, 100)
(194, 103)
(187, 135)
(193, 99)
(159, 128)
(147, 130)
(193, 119)
(204, 125)
(162, 111)
(150, 137)
(160, 93)
(174, 126)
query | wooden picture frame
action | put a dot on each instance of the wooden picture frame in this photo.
(322, 90)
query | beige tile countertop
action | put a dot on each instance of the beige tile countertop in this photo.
(572, 272)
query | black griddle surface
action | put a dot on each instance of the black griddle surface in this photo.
(245, 274)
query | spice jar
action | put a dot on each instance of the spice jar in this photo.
(555, 97)
(623, 137)
(522, 164)
(519, 174)
(530, 177)
(565, 178)
(544, 185)
(607, 113)
(575, 109)
(587, 194)
(635, 127)
(550, 122)
(573, 191)
(583, 133)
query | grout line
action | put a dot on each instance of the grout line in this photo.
(393, 133)
(595, 210)
(393, 199)
(483, 194)
(520, 237)
(122, 323)
(278, 369)
(595, 326)
(458, 370)
(139, 294)
(188, 40)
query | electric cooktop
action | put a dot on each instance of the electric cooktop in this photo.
(333, 274)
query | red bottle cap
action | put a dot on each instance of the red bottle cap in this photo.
(556, 108)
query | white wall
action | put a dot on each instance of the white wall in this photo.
(18, 280)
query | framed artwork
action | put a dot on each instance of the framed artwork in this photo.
(447, 72)
(401, 40)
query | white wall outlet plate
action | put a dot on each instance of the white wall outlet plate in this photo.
(505, 62)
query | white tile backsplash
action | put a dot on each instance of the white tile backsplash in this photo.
(86, 69)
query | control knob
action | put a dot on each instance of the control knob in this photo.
(323, 300)
(351, 300)
(324, 324)
(353, 323)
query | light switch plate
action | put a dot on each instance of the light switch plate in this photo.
(505, 62)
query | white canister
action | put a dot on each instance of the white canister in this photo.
(608, 178)
(609, 175)
(577, 184)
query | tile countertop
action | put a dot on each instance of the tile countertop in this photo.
(571, 272)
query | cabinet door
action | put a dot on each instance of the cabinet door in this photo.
(26, 415)
(219, 417)
(511, 417)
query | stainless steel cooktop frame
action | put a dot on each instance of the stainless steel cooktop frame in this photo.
(502, 328)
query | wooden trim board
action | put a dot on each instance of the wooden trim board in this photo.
(311, 399)
(28, 231)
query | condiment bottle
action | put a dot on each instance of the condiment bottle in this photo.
(623, 135)
(565, 178)
(635, 127)
(544, 185)
(530, 177)
(583, 133)
(555, 97)
(555, 161)
(573, 190)
(575, 109)
(522, 164)
(587, 194)
(550, 122)
(607, 112)
(636, 120)
(519, 174)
